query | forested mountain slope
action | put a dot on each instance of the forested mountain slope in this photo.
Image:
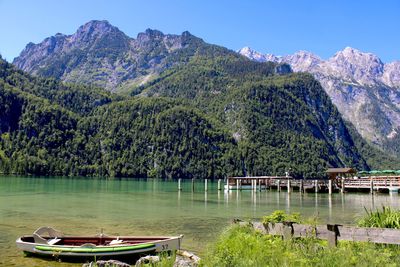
(218, 114)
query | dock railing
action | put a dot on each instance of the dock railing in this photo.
(331, 232)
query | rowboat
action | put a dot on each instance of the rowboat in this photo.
(48, 242)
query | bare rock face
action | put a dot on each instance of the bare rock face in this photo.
(391, 74)
(365, 90)
(98, 53)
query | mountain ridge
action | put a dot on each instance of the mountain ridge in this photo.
(99, 53)
(365, 90)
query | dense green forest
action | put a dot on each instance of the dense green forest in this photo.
(219, 114)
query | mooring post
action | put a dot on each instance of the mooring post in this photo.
(237, 184)
(330, 186)
(179, 184)
(301, 186)
(279, 185)
(288, 185)
(342, 186)
(192, 184)
(205, 185)
(227, 184)
(316, 186)
(371, 187)
(259, 185)
(219, 184)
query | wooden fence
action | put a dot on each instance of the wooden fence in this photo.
(330, 232)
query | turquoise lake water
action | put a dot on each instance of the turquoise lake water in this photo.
(151, 207)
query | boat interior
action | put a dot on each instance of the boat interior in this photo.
(90, 241)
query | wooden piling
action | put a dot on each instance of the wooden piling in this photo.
(219, 184)
(301, 187)
(316, 186)
(279, 185)
(342, 186)
(330, 186)
(179, 184)
(371, 187)
(288, 185)
(205, 185)
(192, 184)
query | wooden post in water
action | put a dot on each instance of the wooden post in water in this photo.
(205, 185)
(219, 184)
(371, 187)
(179, 184)
(192, 184)
(259, 185)
(342, 189)
(288, 185)
(279, 185)
(316, 186)
(227, 184)
(237, 184)
(301, 186)
(330, 186)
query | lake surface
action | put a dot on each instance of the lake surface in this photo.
(151, 207)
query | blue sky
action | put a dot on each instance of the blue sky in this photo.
(279, 27)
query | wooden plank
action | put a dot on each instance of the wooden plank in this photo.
(347, 233)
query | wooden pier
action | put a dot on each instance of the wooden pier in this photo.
(280, 183)
(340, 180)
(371, 184)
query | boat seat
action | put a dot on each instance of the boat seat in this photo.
(53, 241)
(38, 239)
(116, 241)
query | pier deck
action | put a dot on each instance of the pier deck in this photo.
(370, 183)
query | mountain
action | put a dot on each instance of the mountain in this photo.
(100, 54)
(190, 109)
(212, 117)
(365, 90)
(88, 133)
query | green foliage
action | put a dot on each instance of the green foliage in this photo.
(77, 98)
(280, 216)
(214, 114)
(385, 218)
(243, 246)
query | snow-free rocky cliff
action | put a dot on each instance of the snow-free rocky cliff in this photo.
(98, 53)
(365, 90)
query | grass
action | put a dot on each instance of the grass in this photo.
(385, 218)
(244, 246)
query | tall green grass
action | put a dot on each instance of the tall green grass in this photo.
(385, 218)
(243, 246)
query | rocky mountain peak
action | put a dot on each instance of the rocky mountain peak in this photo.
(95, 30)
(352, 64)
(254, 55)
(302, 61)
(149, 35)
(95, 27)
